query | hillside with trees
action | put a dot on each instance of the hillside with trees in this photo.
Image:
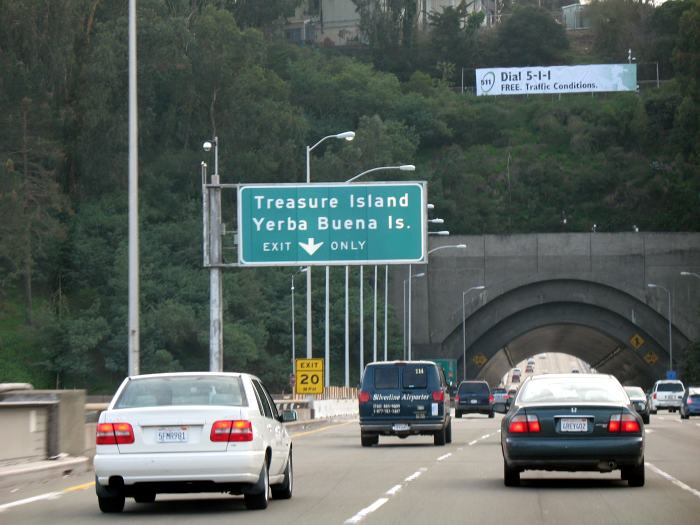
(212, 67)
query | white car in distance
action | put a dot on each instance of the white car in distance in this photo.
(192, 432)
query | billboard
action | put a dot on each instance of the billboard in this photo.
(556, 79)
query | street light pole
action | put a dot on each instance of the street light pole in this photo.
(670, 333)
(690, 274)
(407, 303)
(294, 351)
(216, 341)
(134, 323)
(457, 246)
(347, 135)
(402, 167)
(464, 330)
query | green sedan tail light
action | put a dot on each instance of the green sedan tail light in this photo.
(522, 424)
(623, 423)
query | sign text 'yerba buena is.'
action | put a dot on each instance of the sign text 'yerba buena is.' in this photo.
(331, 223)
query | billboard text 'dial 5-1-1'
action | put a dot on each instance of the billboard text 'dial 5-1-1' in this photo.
(332, 224)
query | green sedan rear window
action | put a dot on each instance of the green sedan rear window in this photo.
(584, 390)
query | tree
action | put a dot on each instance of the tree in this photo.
(389, 27)
(531, 37)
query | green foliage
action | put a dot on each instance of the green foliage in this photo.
(531, 37)
(495, 165)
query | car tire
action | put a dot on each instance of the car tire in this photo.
(511, 476)
(284, 489)
(440, 437)
(448, 433)
(109, 499)
(368, 440)
(653, 411)
(145, 497)
(491, 415)
(458, 413)
(685, 416)
(646, 419)
(257, 499)
(634, 475)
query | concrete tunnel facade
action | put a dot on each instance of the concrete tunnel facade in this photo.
(580, 294)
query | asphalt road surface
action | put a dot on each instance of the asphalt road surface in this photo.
(410, 481)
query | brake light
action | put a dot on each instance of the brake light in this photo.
(507, 397)
(654, 395)
(533, 424)
(522, 423)
(456, 398)
(689, 401)
(491, 399)
(439, 396)
(114, 434)
(623, 423)
(363, 396)
(232, 430)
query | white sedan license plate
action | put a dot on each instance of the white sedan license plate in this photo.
(400, 427)
(172, 435)
(571, 424)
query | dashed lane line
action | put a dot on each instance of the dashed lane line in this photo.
(357, 518)
(673, 480)
(393, 491)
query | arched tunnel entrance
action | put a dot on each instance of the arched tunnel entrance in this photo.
(609, 329)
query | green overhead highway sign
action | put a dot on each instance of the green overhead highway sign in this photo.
(332, 224)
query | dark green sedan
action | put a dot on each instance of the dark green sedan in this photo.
(572, 422)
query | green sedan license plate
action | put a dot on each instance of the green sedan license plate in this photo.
(571, 424)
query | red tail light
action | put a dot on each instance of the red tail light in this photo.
(457, 398)
(654, 395)
(363, 396)
(114, 434)
(623, 423)
(614, 423)
(522, 423)
(533, 424)
(689, 401)
(491, 399)
(507, 397)
(232, 430)
(439, 396)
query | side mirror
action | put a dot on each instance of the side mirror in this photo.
(288, 416)
(500, 408)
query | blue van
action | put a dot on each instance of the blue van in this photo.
(404, 398)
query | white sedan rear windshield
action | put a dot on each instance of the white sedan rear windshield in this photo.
(182, 391)
(574, 390)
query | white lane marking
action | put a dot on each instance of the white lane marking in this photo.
(485, 436)
(673, 480)
(698, 424)
(357, 518)
(415, 475)
(473, 442)
(394, 490)
(48, 495)
(498, 431)
(649, 430)
(381, 501)
(662, 418)
(444, 457)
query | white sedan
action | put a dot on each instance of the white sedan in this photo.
(192, 432)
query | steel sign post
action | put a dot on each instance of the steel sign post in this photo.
(332, 224)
